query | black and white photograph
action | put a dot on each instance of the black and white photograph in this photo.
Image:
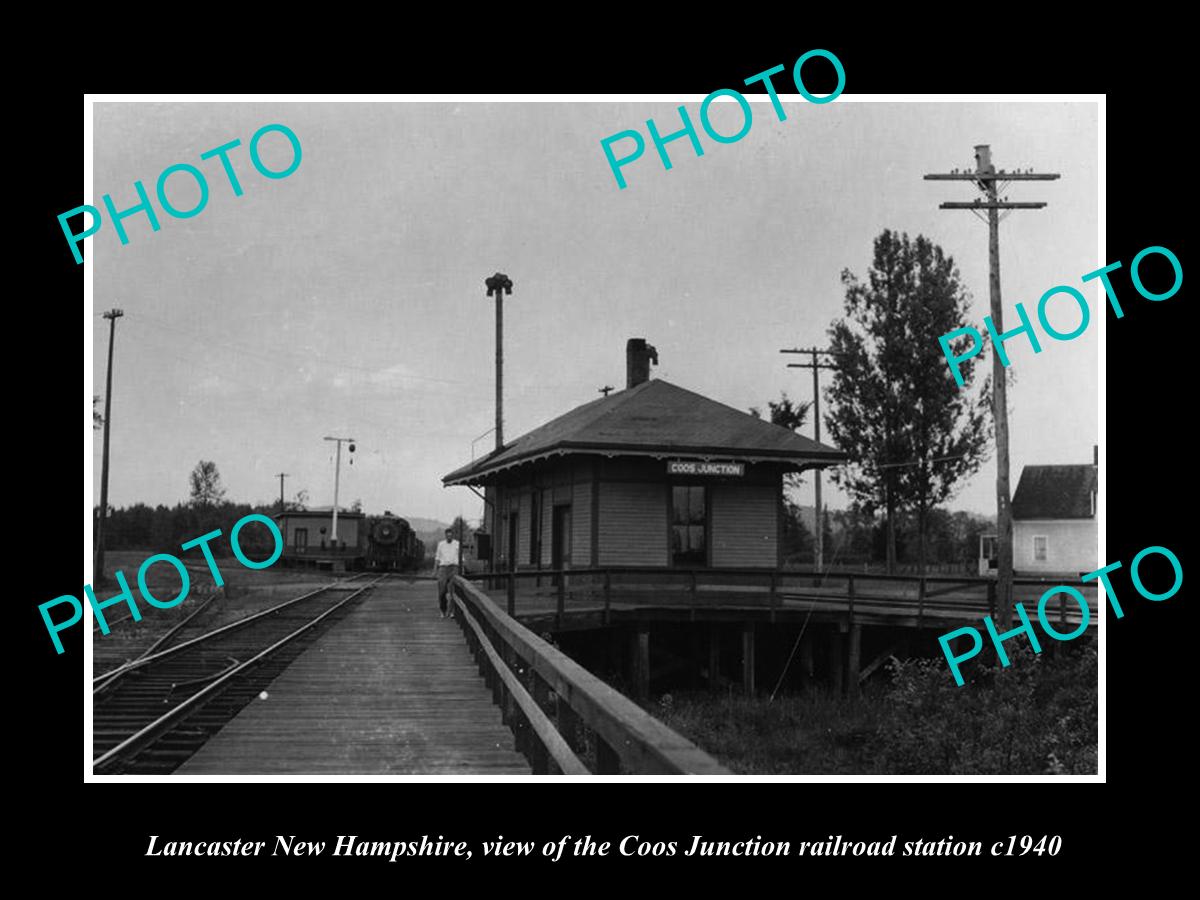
(498, 438)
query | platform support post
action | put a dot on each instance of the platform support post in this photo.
(639, 660)
(748, 658)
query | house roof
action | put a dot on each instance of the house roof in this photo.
(1055, 492)
(655, 418)
(343, 512)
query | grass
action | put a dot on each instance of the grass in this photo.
(815, 732)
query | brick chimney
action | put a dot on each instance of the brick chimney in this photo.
(638, 357)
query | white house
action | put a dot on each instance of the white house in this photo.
(1054, 520)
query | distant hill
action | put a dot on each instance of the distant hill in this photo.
(420, 525)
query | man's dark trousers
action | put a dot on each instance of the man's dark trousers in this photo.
(445, 573)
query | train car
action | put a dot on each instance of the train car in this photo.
(391, 544)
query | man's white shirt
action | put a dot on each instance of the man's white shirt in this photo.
(447, 553)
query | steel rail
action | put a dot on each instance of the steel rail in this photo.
(141, 661)
(139, 740)
(149, 651)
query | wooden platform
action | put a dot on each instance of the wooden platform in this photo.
(390, 690)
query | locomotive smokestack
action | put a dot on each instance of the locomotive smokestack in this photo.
(638, 357)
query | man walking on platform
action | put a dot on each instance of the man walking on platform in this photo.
(445, 562)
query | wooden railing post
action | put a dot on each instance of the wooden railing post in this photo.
(512, 593)
(773, 597)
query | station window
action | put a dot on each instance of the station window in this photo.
(535, 529)
(1039, 547)
(689, 516)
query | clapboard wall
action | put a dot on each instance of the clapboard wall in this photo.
(743, 525)
(621, 513)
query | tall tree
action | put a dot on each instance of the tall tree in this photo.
(206, 487)
(912, 433)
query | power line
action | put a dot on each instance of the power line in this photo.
(816, 365)
(98, 567)
(917, 462)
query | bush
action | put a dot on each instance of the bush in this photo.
(1037, 716)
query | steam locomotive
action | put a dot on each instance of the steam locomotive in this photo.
(391, 544)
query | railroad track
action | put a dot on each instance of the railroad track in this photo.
(152, 713)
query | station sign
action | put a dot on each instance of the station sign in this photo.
(696, 467)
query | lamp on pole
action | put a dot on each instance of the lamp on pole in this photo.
(337, 472)
(499, 285)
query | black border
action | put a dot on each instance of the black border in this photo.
(1147, 472)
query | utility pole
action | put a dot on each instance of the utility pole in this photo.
(281, 476)
(499, 285)
(991, 183)
(606, 390)
(337, 473)
(98, 568)
(816, 365)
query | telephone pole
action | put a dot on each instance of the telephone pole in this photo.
(337, 474)
(991, 183)
(281, 476)
(98, 568)
(816, 365)
(499, 285)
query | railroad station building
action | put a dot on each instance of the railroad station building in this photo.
(654, 475)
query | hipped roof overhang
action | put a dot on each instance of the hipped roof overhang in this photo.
(483, 471)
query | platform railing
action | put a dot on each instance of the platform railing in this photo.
(564, 719)
(559, 591)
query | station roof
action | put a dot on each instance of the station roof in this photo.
(655, 418)
(1055, 492)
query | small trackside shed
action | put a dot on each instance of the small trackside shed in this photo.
(1054, 520)
(654, 475)
(306, 536)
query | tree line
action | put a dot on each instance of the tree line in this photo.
(856, 540)
(164, 528)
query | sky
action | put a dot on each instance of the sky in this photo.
(348, 298)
